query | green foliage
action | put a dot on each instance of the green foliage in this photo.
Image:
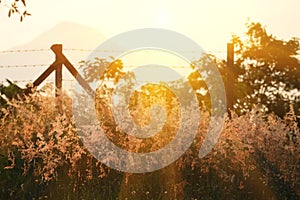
(10, 91)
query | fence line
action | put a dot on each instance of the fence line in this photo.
(90, 50)
(23, 51)
(45, 65)
(29, 66)
(31, 81)
(18, 66)
(70, 49)
(60, 61)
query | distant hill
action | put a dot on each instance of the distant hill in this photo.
(70, 34)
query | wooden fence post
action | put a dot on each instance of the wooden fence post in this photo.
(57, 65)
(230, 75)
(57, 49)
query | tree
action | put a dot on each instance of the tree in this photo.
(112, 71)
(198, 82)
(266, 74)
(16, 7)
(267, 70)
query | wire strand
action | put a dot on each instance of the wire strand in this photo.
(23, 50)
(31, 81)
(88, 50)
(18, 66)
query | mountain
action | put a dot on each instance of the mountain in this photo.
(70, 34)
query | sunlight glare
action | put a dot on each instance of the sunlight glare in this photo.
(162, 18)
(155, 58)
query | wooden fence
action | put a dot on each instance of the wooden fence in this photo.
(61, 60)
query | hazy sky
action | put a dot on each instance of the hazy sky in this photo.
(210, 22)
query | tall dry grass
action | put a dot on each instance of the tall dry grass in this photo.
(256, 157)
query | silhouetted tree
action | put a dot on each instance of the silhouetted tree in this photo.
(16, 7)
(103, 70)
(267, 71)
(8, 92)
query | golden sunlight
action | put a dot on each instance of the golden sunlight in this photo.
(158, 65)
(162, 18)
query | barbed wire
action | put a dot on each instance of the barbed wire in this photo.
(77, 66)
(89, 50)
(93, 50)
(31, 81)
(30, 66)
(18, 66)
(23, 50)
(67, 49)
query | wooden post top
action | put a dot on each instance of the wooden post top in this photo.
(56, 48)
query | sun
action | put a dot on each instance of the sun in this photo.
(162, 18)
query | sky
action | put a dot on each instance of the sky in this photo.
(209, 23)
